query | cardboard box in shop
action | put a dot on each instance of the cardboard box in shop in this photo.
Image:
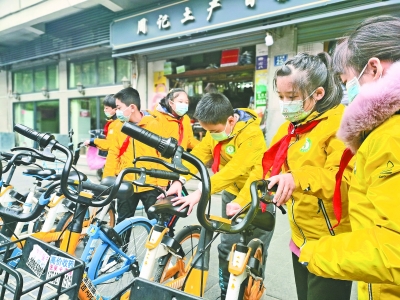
(230, 57)
(182, 69)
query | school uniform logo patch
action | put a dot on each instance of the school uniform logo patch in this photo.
(306, 147)
(388, 171)
(230, 149)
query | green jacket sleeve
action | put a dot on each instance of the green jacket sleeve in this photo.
(372, 253)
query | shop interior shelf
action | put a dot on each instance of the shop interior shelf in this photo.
(229, 71)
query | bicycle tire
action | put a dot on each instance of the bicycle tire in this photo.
(170, 267)
(138, 232)
(67, 218)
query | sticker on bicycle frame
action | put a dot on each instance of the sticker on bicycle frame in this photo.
(58, 265)
(37, 260)
(87, 290)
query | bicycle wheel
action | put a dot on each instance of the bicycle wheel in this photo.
(109, 218)
(257, 250)
(170, 267)
(134, 235)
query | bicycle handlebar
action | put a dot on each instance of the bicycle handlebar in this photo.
(43, 139)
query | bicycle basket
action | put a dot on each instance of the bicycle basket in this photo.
(38, 271)
(144, 289)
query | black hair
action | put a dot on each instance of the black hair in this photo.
(374, 37)
(310, 72)
(172, 94)
(211, 88)
(129, 96)
(213, 108)
(109, 100)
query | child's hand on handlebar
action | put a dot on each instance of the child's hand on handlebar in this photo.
(190, 200)
(232, 209)
(286, 187)
(174, 189)
(86, 143)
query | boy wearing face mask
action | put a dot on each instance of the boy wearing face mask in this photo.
(123, 150)
(236, 143)
(113, 125)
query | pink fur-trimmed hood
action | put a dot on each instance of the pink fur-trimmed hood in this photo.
(376, 102)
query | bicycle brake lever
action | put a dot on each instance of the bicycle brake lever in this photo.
(40, 155)
(265, 194)
(180, 169)
(141, 181)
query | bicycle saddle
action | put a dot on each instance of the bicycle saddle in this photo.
(125, 189)
(38, 173)
(164, 206)
(72, 176)
(263, 220)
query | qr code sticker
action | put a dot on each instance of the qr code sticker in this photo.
(37, 260)
(58, 265)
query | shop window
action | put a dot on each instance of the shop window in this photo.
(85, 114)
(42, 116)
(33, 80)
(99, 71)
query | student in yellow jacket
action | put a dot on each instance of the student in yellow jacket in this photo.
(369, 63)
(112, 126)
(123, 150)
(172, 118)
(235, 141)
(303, 161)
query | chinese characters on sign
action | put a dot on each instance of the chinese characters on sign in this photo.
(279, 60)
(164, 23)
(213, 4)
(188, 16)
(142, 26)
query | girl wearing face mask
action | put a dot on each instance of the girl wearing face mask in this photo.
(303, 160)
(171, 112)
(112, 126)
(369, 60)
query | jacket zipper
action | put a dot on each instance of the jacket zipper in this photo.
(298, 227)
(370, 297)
(328, 222)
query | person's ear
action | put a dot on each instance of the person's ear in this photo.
(231, 120)
(319, 93)
(374, 67)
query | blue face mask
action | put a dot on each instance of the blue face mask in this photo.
(121, 116)
(108, 115)
(181, 108)
(353, 86)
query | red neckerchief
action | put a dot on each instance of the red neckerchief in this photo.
(124, 146)
(337, 197)
(217, 158)
(277, 154)
(180, 126)
(105, 129)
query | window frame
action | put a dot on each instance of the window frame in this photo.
(98, 58)
(33, 71)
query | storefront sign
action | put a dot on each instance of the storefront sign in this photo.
(262, 62)
(261, 91)
(280, 60)
(188, 17)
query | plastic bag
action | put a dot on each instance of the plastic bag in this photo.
(94, 161)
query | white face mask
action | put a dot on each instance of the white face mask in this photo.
(293, 111)
(353, 86)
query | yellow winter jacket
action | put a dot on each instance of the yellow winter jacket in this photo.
(169, 126)
(172, 127)
(135, 149)
(104, 144)
(239, 154)
(313, 159)
(371, 252)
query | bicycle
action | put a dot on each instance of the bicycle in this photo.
(112, 243)
(245, 264)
